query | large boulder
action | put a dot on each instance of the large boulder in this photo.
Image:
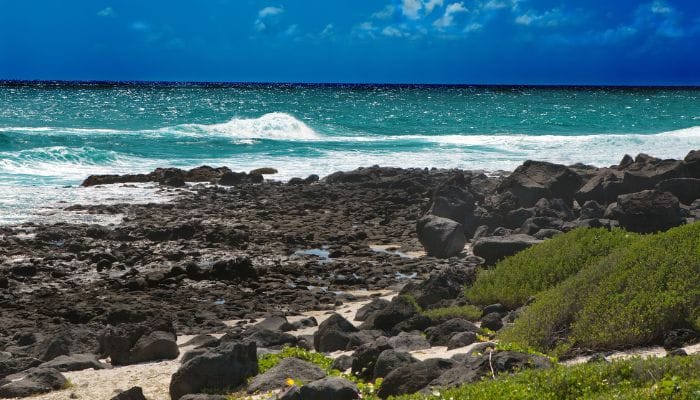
(139, 342)
(692, 164)
(496, 248)
(390, 360)
(413, 377)
(538, 179)
(647, 211)
(13, 365)
(333, 334)
(37, 381)
(224, 368)
(365, 358)
(330, 388)
(603, 188)
(400, 309)
(453, 200)
(276, 377)
(441, 237)
(370, 308)
(440, 335)
(686, 190)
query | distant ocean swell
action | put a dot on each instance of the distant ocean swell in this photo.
(66, 155)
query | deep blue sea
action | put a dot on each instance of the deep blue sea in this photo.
(52, 136)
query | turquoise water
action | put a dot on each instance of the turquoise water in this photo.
(55, 135)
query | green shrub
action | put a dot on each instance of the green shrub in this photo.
(512, 281)
(661, 378)
(626, 299)
(267, 361)
(468, 312)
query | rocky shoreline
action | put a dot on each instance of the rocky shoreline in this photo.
(234, 246)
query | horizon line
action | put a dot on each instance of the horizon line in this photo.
(89, 82)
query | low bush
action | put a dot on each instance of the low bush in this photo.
(468, 312)
(627, 299)
(512, 281)
(675, 378)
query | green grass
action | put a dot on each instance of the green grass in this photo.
(512, 281)
(675, 378)
(626, 299)
(468, 312)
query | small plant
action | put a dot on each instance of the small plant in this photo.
(468, 312)
(268, 361)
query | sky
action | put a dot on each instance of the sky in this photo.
(619, 42)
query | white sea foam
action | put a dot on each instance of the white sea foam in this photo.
(272, 126)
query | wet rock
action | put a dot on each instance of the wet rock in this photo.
(223, 368)
(263, 171)
(441, 237)
(495, 248)
(276, 377)
(330, 388)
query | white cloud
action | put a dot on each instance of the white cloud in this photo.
(365, 30)
(268, 17)
(385, 13)
(328, 30)
(549, 18)
(139, 26)
(106, 12)
(292, 30)
(473, 27)
(270, 11)
(448, 18)
(659, 7)
(411, 8)
(392, 32)
(430, 5)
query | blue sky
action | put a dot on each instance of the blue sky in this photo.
(393, 41)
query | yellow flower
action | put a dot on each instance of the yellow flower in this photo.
(290, 382)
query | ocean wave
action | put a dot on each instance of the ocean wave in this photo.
(271, 126)
(69, 163)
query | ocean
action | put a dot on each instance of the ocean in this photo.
(53, 135)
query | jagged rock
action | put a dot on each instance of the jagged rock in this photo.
(226, 367)
(440, 335)
(495, 248)
(535, 180)
(333, 334)
(413, 377)
(443, 284)
(389, 360)
(686, 190)
(39, 380)
(647, 211)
